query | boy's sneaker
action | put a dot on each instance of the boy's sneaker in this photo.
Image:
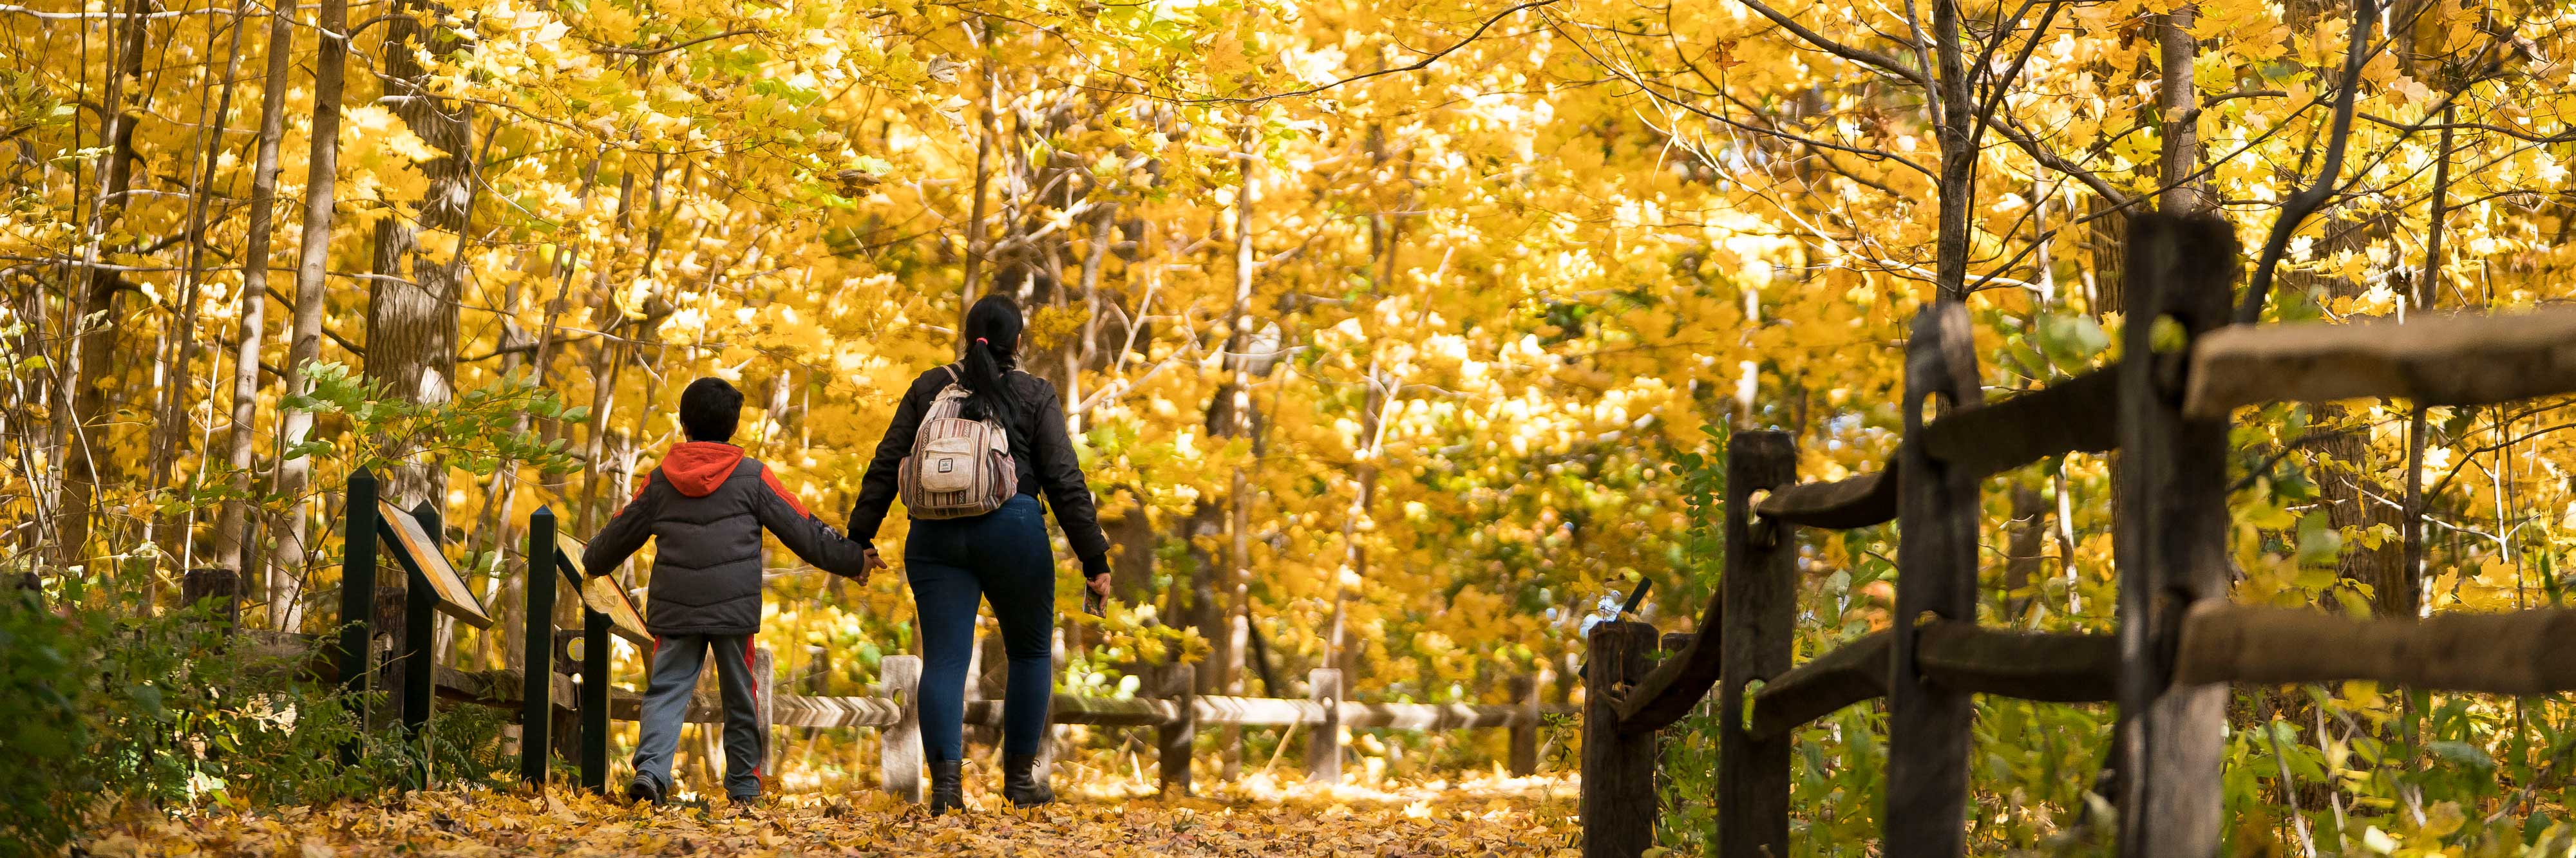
(644, 790)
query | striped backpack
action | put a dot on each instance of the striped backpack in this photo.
(959, 468)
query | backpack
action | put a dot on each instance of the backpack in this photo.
(959, 468)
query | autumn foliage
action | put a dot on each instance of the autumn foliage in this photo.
(1397, 336)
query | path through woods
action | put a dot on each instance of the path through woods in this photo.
(1527, 816)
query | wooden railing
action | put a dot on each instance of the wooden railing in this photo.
(1171, 709)
(566, 710)
(2179, 641)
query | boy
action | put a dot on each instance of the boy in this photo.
(706, 506)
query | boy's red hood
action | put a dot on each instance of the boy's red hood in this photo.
(698, 468)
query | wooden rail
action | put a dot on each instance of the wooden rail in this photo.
(2071, 416)
(1173, 716)
(2178, 642)
(2434, 359)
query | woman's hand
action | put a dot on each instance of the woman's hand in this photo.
(1095, 596)
(872, 564)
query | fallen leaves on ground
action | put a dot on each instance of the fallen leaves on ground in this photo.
(1439, 820)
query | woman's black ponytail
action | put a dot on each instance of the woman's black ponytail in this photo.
(992, 350)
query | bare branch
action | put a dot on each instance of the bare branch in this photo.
(647, 52)
(1416, 65)
(1863, 56)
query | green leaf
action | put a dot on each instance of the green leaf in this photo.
(2462, 753)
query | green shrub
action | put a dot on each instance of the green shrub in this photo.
(43, 739)
(99, 711)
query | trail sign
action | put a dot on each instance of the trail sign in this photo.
(601, 593)
(417, 550)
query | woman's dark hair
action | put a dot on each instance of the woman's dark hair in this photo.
(992, 351)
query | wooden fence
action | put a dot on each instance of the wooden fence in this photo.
(565, 709)
(2178, 642)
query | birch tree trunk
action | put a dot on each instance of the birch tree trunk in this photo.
(312, 266)
(232, 527)
(2178, 99)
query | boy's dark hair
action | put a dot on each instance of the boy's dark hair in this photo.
(710, 409)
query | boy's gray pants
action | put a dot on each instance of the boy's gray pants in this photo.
(676, 661)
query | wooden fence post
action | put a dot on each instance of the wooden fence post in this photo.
(1618, 800)
(899, 758)
(2171, 544)
(818, 670)
(386, 649)
(1928, 725)
(536, 713)
(357, 599)
(1173, 740)
(595, 649)
(1760, 599)
(419, 605)
(1524, 754)
(1324, 748)
(223, 586)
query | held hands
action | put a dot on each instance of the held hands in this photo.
(1095, 596)
(872, 563)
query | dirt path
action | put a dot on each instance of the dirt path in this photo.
(1415, 822)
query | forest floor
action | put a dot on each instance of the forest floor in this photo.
(1528, 816)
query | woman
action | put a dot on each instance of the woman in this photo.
(1001, 556)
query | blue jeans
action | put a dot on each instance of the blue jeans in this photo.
(1001, 557)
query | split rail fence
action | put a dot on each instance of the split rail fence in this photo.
(2179, 642)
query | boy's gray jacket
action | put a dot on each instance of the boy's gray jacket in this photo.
(705, 508)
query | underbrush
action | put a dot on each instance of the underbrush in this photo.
(105, 713)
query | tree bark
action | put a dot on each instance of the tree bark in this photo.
(411, 303)
(311, 269)
(1955, 95)
(2024, 536)
(2178, 104)
(170, 428)
(83, 469)
(605, 364)
(232, 527)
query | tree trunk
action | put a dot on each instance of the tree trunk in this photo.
(232, 528)
(2024, 536)
(1133, 537)
(976, 247)
(411, 303)
(170, 427)
(2353, 494)
(83, 469)
(605, 364)
(2106, 239)
(1958, 153)
(311, 268)
(2178, 101)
